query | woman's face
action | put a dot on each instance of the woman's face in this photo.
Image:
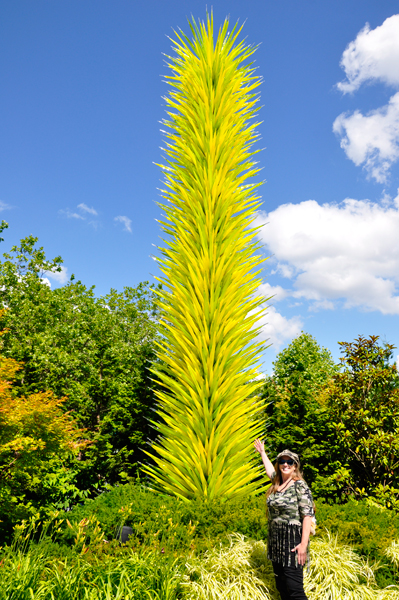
(285, 467)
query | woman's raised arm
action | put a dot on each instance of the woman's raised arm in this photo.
(260, 447)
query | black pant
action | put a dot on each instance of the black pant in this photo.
(289, 582)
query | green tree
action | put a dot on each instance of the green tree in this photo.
(38, 440)
(96, 352)
(363, 402)
(296, 417)
(209, 306)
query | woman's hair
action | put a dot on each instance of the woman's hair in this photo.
(278, 480)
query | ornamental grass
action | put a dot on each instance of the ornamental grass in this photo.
(338, 573)
(238, 572)
(242, 572)
(392, 552)
(37, 576)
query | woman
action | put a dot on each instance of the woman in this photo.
(290, 507)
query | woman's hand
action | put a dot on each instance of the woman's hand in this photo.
(302, 551)
(259, 446)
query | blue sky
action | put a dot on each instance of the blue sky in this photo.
(81, 102)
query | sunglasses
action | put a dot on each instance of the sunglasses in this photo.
(289, 461)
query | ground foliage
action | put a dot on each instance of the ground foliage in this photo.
(168, 524)
(35, 574)
(238, 569)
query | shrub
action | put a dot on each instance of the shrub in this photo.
(175, 527)
(366, 527)
(392, 552)
(336, 571)
(169, 523)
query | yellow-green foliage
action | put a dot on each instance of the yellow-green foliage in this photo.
(239, 572)
(35, 576)
(338, 573)
(392, 552)
(242, 571)
(208, 303)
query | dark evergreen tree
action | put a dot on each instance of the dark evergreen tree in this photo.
(295, 415)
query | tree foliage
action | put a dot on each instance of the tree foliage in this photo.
(95, 352)
(363, 402)
(295, 416)
(208, 302)
(343, 421)
(37, 440)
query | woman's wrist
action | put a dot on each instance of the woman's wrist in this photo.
(306, 530)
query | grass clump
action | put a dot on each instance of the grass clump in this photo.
(240, 571)
(392, 552)
(35, 576)
(336, 571)
(236, 571)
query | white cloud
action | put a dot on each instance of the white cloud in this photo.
(371, 139)
(4, 206)
(84, 208)
(71, 215)
(332, 252)
(126, 222)
(259, 376)
(373, 55)
(61, 277)
(275, 292)
(277, 330)
(46, 281)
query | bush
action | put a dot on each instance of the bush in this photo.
(169, 523)
(368, 528)
(172, 526)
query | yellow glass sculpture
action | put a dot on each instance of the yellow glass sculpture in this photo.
(209, 349)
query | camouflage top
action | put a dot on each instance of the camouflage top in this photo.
(292, 504)
(287, 510)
